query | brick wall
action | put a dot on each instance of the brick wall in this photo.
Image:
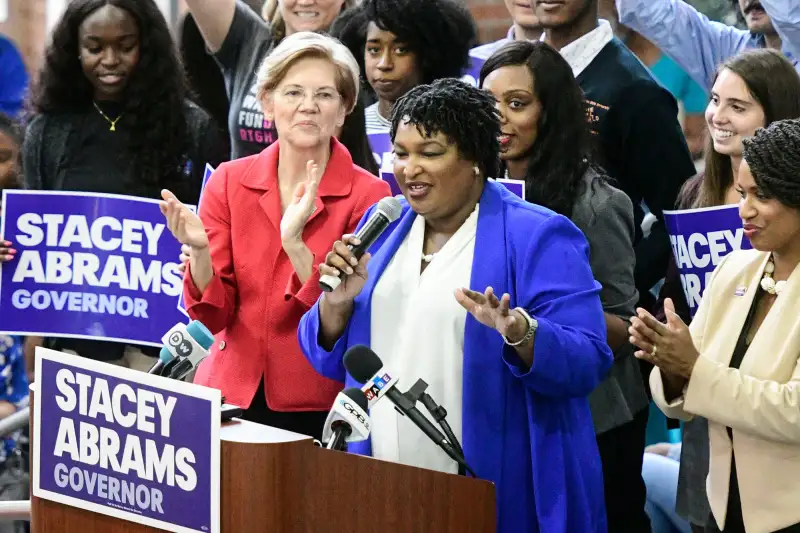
(492, 18)
(27, 25)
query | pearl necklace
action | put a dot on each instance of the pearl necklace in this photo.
(768, 283)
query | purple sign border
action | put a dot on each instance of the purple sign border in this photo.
(214, 396)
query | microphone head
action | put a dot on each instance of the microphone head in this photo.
(362, 363)
(201, 334)
(165, 355)
(390, 208)
(357, 395)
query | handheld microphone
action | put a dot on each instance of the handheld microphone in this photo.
(348, 420)
(387, 211)
(184, 347)
(366, 367)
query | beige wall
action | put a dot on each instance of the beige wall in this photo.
(27, 23)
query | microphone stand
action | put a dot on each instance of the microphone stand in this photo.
(439, 413)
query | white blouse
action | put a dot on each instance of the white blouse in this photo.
(417, 329)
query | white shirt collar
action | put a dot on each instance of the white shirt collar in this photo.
(582, 51)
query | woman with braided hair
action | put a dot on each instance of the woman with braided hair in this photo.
(492, 301)
(746, 385)
(751, 90)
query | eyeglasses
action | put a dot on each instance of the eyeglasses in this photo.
(296, 94)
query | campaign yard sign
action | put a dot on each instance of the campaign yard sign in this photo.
(93, 266)
(206, 176)
(126, 444)
(700, 238)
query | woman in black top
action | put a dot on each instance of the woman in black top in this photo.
(110, 115)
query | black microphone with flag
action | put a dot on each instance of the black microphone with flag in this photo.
(348, 420)
(387, 211)
(366, 367)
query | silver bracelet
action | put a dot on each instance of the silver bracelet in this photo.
(533, 325)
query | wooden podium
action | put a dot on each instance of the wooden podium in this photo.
(274, 481)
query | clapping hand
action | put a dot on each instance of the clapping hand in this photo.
(184, 225)
(493, 312)
(668, 346)
(302, 205)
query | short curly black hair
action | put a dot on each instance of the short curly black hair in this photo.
(465, 114)
(153, 99)
(440, 32)
(773, 154)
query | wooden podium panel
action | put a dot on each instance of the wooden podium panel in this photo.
(274, 481)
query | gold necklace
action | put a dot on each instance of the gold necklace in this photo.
(112, 122)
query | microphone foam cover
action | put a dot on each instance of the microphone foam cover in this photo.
(201, 334)
(362, 363)
(390, 207)
(357, 395)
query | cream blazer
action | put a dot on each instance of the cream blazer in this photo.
(760, 402)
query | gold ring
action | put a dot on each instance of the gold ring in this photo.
(654, 351)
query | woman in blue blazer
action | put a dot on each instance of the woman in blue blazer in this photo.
(514, 371)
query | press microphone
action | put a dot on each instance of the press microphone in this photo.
(348, 420)
(184, 347)
(366, 367)
(387, 211)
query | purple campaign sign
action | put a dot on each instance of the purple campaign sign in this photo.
(382, 150)
(700, 239)
(126, 444)
(92, 266)
(208, 172)
(473, 73)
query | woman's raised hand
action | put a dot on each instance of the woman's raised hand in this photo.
(302, 205)
(185, 226)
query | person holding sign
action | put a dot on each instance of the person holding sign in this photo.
(750, 91)
(747, 384)
(544, 142)
(405, 43)
(112, 116)
(265, 222)
(514, 356)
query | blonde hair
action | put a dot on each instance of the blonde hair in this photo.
(273, 15)
(309, 45)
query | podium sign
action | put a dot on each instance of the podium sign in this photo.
(126, 444)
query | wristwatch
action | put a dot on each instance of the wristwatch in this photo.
(533, 325)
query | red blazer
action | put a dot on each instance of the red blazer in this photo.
(255, 300)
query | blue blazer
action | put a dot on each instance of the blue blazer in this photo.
(528, 430)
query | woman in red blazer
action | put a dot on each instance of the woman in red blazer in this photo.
(265, 223)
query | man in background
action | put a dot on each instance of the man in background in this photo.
(691, 97)
(700, 45)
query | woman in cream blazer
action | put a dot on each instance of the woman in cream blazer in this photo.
(738, 365)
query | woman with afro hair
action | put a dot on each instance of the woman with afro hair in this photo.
(110, 115)
(401, 44)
